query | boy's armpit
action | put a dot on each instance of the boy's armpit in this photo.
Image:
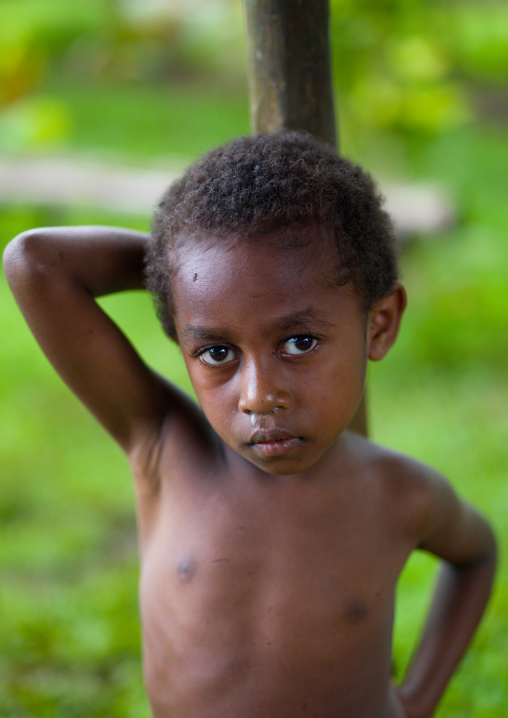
(184, 431)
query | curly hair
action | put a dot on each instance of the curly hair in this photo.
(257, 185)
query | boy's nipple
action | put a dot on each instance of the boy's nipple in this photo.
(356, 611)
(185, 569)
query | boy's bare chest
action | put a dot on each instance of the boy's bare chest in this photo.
(268, 567)
(263, 583)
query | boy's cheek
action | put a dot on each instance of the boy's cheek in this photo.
(216, 401)
(210, 385)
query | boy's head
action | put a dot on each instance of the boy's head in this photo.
(255, 187)
(273, 266)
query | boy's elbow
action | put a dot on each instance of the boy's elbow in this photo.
(488, 543)
(491, 549)
(24, 255)
(486, 561)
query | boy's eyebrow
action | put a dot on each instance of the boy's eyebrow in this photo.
(302, 318)
(191, 332)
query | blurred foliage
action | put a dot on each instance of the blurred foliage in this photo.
(33, 36)
(34, 122)
(144, 124)
(403, 65)
(407, 65)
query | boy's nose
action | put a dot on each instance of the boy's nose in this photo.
(262, 391)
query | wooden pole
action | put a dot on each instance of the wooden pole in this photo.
(290, 80)
(288, 66)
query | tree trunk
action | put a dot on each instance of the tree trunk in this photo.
(290, 82)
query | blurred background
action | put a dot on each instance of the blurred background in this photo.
(109, 94)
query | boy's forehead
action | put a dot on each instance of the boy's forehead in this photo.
(251, 280)
(307, 252)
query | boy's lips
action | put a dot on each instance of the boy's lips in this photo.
(274, 442)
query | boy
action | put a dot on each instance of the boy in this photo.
(271, 537)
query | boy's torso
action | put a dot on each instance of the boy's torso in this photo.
(270, 596)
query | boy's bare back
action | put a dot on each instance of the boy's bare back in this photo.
(271, 537)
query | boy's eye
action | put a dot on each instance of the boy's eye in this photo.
(217, 355)
(300, 345)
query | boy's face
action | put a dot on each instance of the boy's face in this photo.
(275, 351)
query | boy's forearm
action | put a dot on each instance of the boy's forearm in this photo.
(102, 260)
(460, 598)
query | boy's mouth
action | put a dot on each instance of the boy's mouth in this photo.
(274, 442)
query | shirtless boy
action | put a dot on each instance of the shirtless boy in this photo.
(271, 537)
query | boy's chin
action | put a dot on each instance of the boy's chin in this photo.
(279, 470)
(287, 457)
(279, 465)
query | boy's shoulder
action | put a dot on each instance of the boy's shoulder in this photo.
(413, 490)
(391, 465)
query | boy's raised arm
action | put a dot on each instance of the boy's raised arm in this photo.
(55, 274)
(464, 541)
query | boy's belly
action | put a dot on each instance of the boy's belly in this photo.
(262, 633)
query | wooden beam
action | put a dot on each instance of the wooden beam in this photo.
(290, 79)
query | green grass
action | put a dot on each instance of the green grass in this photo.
(148, 123)
(68, 596)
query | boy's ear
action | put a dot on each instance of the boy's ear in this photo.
(384, 321)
